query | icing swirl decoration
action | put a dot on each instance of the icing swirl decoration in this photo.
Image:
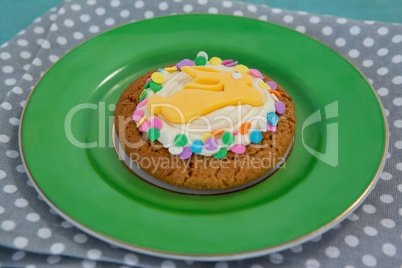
(207, 107)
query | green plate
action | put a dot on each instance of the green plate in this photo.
(341, 140)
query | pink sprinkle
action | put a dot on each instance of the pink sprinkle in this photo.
(145, 125)
(256, 73)
(271, 127)
(238, 149)
(157, 123)
(149, 79)
(186, 154)
(226, 62)
(142, 103)
(138, 115)
(231, 64)
(235, 132)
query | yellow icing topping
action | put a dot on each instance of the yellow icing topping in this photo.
(209, 91)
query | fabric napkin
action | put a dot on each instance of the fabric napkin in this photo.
(33, 235)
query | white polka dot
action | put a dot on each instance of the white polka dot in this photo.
(88, 264)
(78, 35)
(20, 242)
(389, 249)
(168, 264)
(17, 256)
(276, 10)
(369, 22)
(20, 168)
(94, 254)
(263, 17)
(301, 29)
(252, 8)
(351, 240)
(227, 4)
(354, 30)
(353, 217)
(213, 10)
(21, 202)
(398, 124)
(386, 198)
(6, 106)
(8, 69)
(100, 11)
(397, 38)
(314, 19)
(22, 42)
(388, 223)
(5, 55)
(238, 13)
(57, 248)
(109, 21)
(187, 8)
(38, 30)
(397, 59)
(354, 53)
(80, 238)
(37, 62)
(10, 82)
(27, 77)
(202, 2)
(397, 80)
(8, 225)
(368, 42)
(340, 42)
(382, 30)
(66, 224)
(124, 13)
(386, 176)
(53, 259)
(327, 30)
(2, 210)
(382, 51)
(368, 63)
(163, 6)
(369, 208)
(221, 264)
(397, 102)
(33, 217)
(54, 27)
(61, 40)
(69, 23)
(85, 18)
(288, 19)
(370, 231)
(382, 71)
(256, 266)
(115, 3)
(10, 189)
(131, 259)
(332, 252)
(94, 29)
(148, 14)
(276, 258)
(44, 233)
(53, 17)
(25, 54)
(76, 7)
(341, 20)
(3, 174)
(297, 249)
(369, 261)
(45, 44)
(22, 104)
(139, 4)
(400, 187)
(312, 263)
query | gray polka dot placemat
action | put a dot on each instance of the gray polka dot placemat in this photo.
(33, 235)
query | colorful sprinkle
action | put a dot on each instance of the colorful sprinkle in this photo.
(280, 107)
(235, 132)
(276, 93)
(157, 123)
(175, 150)
(241, 69)
(142, 103)
(149, 79)
(203, 54)
(244, 128)
(256, 73)
(226, 62)
(228, 138)
(238, 149)
(215, 61)
(236, 75)
(272, 119)
(158, 78)
(263, 125)
(217, 132)
(166, 140)
(145, 125)
(147, 83)
(186, 154)
(138, 115)
(271, 127)
(256, 136)
(211, 144)
(196, 146)
(153, 134)
(185, 62)
(171, 69)
(264, 85)
(154, 86)
(222, 153)
(143, 95)
(160, 70)
(271, 84)
(206, 136)
(142, 120)
(200, 61)
(180, 140)
(274, 97)
(231, 64)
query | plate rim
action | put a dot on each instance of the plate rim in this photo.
(211, 257)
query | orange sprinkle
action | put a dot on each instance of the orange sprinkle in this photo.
(218, 132)
(244, 128)
(276, 93)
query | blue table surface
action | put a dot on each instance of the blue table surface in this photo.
(15, 15)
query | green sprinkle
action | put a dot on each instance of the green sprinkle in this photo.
(222, 153)
(200, 61)
(153, 133)
(154, 86)
(147, 84)
(180, 140)
(143, 95)
(228, 138)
